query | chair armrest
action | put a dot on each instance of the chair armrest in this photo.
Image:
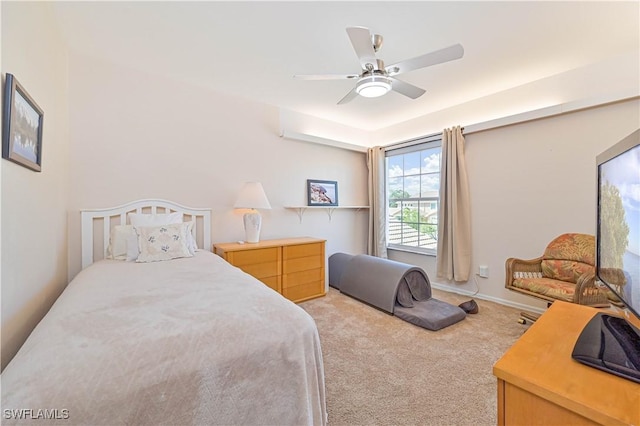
(521, 265)
(588, 293)
(617, 278)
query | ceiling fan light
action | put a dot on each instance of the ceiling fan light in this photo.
(373, 86)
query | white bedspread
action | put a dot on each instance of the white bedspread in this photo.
(182, 342)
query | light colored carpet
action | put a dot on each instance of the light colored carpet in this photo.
(380, 370)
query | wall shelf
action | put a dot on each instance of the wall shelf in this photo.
(300, 210)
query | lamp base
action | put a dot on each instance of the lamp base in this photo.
(252, 225)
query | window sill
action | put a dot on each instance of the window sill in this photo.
(412, 250)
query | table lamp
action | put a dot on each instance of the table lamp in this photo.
(252, 197)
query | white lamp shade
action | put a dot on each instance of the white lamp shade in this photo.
(252, 196)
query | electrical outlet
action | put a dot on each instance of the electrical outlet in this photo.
(483, 271)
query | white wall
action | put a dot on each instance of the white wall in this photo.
(137, 135)
(34, 232)
(530, 182)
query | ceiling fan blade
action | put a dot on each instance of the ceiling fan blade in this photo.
(324, 76)
(406, 89)
(363, 45)
(437, 57)
(349, 97)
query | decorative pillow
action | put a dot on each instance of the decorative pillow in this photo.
(575, 247)
(144, 219)
(119, 242)
(165, 242)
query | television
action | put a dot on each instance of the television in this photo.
(610, 342)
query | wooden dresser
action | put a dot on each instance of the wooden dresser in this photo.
(540, 384)
(294, 267)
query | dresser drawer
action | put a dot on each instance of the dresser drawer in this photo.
(302, 250)
(261, 263)
(273, 282)
(304, 277)
(300, 293)
(302, 264)
(262, 270)
(305, 284)
(252, 257)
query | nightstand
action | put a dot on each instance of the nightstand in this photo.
(294, 267)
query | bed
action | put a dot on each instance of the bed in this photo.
(187, 341)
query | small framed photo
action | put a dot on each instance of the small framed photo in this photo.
(22, 126)
(322, 192)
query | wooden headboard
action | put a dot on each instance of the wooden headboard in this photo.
(97, 223)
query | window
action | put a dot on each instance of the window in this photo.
(413, 193)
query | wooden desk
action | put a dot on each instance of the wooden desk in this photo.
(540, 384)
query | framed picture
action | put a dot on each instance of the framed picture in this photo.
(22, 126)
(322, 192)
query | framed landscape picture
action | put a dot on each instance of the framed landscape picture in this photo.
(322, 192)
(22, 126)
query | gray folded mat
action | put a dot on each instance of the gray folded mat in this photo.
(395, 287)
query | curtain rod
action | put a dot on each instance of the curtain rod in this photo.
(414, 140)
(417, 140)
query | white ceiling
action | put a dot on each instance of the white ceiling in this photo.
(252, 49)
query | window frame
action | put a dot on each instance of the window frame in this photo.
(429, 142)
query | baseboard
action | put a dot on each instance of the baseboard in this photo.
(505, 302)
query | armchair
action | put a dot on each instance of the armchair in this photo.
(565, 272)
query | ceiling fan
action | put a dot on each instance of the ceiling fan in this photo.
(376, 79)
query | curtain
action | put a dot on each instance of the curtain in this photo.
(454, 215)
(377, 241)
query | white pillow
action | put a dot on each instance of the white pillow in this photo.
(165, 242)
(132, 247)
(191, 240)
(118, 242)
(143, 219)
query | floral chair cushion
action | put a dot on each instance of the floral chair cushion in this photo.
(565, 270)
(561, 290)
(569, 256)
(578, 247)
